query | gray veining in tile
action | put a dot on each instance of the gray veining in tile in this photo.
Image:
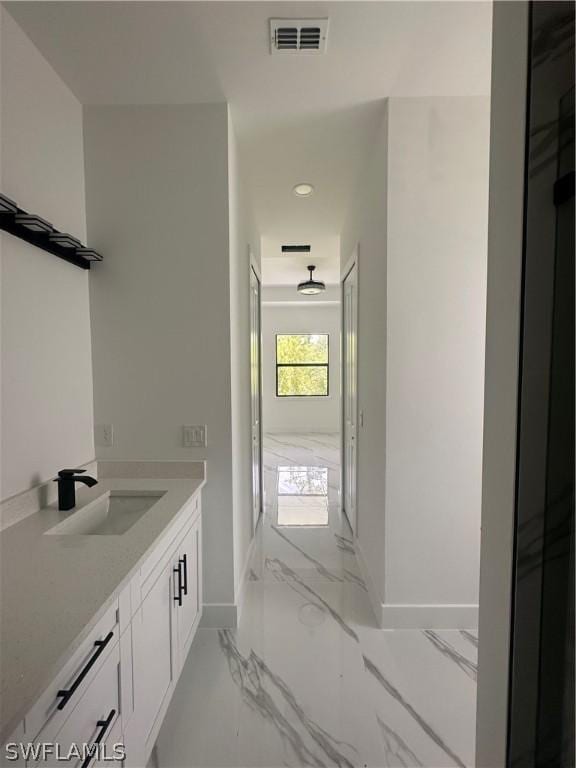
(276, 566)
(468, 667)
(285, 443)
(470, 637)
(395, 748)
(395, 693)
(344, 544)
(351, 577)
(251, 674)
(317, 564)
(284, 456)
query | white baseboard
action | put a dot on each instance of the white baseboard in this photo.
(429, 616)
(227, 615)
(219, 616)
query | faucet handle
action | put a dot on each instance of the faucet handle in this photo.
(70, 472)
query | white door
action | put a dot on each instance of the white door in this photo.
(256, 396)
(350, 395)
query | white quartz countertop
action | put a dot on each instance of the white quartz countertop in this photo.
(55, 588)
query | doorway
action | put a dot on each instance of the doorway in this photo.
(256, 394)
(349, 391)
(301, 386)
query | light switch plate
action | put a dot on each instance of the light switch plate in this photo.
(194, 436)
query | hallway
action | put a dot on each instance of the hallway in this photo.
(307, 679)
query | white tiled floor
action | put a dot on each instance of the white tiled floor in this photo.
(307, 679)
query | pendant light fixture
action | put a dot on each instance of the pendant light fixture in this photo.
(311, 287)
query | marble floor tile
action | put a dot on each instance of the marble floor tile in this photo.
(307, 679)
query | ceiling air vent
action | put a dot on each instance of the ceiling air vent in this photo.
(298, 35)
(295, 249)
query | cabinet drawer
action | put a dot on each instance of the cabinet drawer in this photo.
(93, 718)
(52, 710)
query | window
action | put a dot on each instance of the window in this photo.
(302, 365)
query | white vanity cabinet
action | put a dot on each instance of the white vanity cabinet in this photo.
(117, 686)
(153, 661)
(187, 610)
(163, 627)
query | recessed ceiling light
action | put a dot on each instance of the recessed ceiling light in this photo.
(303, 190)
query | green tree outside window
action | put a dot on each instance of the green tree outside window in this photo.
(302, 365)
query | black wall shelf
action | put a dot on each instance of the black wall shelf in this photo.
(42, 240)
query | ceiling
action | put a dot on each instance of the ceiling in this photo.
(290, 269)
(298, 118)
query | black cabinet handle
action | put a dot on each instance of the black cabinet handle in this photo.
(184, 561)
(103, 725)
(178, 570)
(67, 694)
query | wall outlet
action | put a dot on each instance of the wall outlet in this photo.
(194, 437)
(105, 435)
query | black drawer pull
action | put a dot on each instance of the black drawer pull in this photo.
(103, 725)
(67, 694)
(178, 570)
(184, 561)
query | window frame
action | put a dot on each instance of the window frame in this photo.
(303, 365)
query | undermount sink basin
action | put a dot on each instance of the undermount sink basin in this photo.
(111, 514)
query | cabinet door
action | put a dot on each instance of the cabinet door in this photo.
(112, 751)
(153, 658)
(188, 613)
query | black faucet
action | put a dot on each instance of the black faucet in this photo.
(67, 489)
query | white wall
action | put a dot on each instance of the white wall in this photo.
(367, 228)
(505, 235)
(157, 203)
(421, 224)
(47, 418)
(244, 242)
(437, 241)
(300, 414)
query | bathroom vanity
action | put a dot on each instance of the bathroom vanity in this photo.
(100, 606)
